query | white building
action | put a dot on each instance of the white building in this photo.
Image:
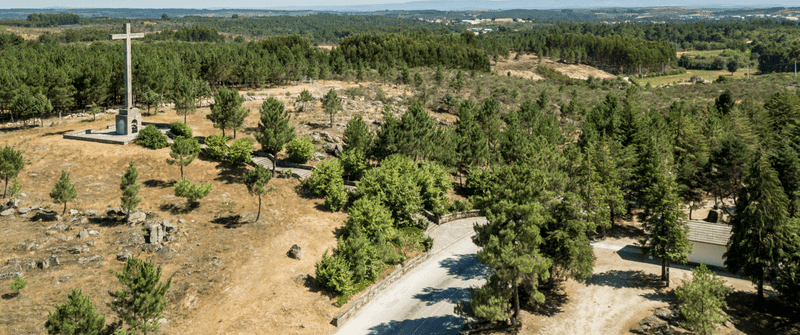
(710, 242)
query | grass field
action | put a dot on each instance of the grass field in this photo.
(705, 74)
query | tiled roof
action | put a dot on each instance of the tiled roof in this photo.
(712, 233)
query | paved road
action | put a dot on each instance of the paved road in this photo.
(422, 301)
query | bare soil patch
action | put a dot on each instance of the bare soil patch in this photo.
(525, 67)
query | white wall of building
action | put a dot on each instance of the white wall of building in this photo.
(709, 254)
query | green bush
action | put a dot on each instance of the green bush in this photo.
(151, 137)
(354, 163)
(300, 149)
(18, 284)
(459, 205)
(322, 176)
(371, 216)
(435, 183)
(191, 192)
(335, 195)
(333, 274)
(394, 184)
(180, 129)
(240, 152)
(216, 147)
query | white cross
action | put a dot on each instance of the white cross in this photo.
(127, 36)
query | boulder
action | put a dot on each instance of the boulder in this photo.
(84, 220)
(12, 203)
(91, 212)
(167, 253)
(137, 217)
(124, 255)
(53, 260)
(333, 149)
(168, 227)
(8, 212)
(317, 156)
(651, 324)
(23, 210)
(294, 252)
(115, 211)
(668, 314)
(79, 249)
(134, 238)
(156, 234)
(151, 247)
(330, 138)
(92, 258)
(10, 272)
(83, 234)
(73, 212)
(713, 216)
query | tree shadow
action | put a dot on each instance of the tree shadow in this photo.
(58, 132)
(624, 231)
(434, 325)
(179, 209)
(230, 221)
(554, 299)
(625, 279)
(158, 183)
(432, 296)
(770, 317)
(8, 296)
(464, 266)
(230, 175)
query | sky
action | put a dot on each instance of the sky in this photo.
(303, 3)
(184, 3)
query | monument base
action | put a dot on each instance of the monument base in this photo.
(128, 121)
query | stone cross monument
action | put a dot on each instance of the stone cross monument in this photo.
(129, 119)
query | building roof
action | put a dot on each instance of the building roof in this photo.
(711, 233)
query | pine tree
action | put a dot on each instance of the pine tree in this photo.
(761, 228)
(256, 181)
(511, 242)
(11, 163)
(416, 128)
(237, 119)
(130, 189)
(331, 103)
(64, 191)
(77, 316)
(357, 134)
(473, 149)
(667, 231)
(184, 151)
(703, 299)
(185, 94)
(226, 103)
(273, 130)
(141, 302)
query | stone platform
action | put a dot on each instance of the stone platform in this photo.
(109, 135)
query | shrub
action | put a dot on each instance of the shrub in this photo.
(322, 176)
(191, 192)
(216, 147)
(703, 299)
(18, 284)
(459, 205)
(394, 183)
(180, 129)
(151, 137)
(305, 96)
(435, 183)
(371, 216)
(76, 316)
(240, 152)
(333, 274)
(335, 195)
(354, 163)
(300, 150)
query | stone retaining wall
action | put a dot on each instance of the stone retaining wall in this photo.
(353, 308)
(441, 219)
(281, 163)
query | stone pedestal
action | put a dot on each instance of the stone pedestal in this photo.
(129, 121)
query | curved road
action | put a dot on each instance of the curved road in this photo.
(422, 301)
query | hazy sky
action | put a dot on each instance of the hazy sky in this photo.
(184, 3)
